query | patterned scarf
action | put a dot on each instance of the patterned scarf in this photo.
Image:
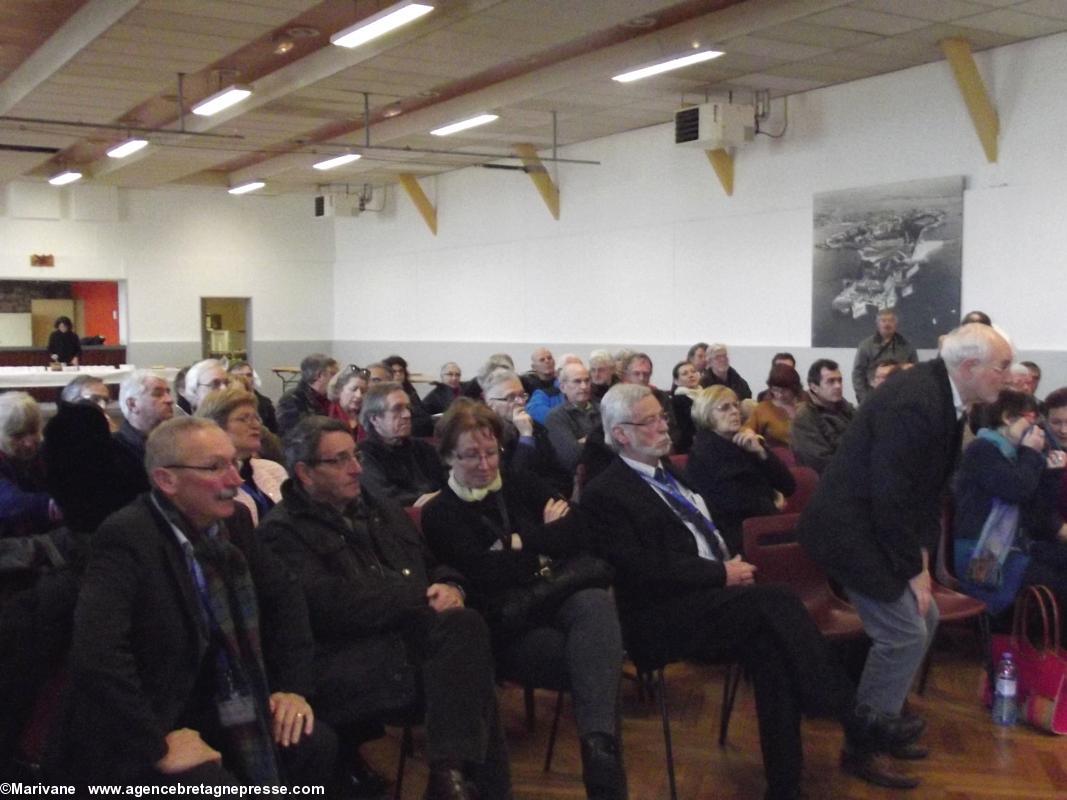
(228, 603)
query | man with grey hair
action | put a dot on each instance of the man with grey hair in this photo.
(396, 466)
(202, 378)
(602, 373)
(390, 624)
(525, 442)
(720, 373)
(570, 424)
(146, 401)
(874, 521)
(192, 655)
(308, 397)
(86, 387)
(637, 369)
(683, 596)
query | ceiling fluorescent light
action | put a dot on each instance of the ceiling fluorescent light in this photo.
(473, 122)
(337, 161)
(245, 188)
(380, 24)
(223, 99)
(65, 177)
(667, 66)
(127, 148)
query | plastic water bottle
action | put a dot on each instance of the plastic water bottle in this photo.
(1005, 708)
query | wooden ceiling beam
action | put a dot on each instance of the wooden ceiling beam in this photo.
(535, 168)
(421, 201)
(975, 96)
(723, 164)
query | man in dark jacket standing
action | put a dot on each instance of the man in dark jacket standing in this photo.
(874, 521)
(885, 344)
(384, 618)
(191, 655)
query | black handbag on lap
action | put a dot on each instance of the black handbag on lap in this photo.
(534, 603)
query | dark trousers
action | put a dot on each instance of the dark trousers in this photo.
(768, 630)
(582, 651)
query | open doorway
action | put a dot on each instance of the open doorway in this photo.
(226, 328)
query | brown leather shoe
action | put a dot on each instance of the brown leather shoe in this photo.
(447, 782)
(875, 768)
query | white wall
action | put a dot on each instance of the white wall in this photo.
(173, 246)
(650, 251)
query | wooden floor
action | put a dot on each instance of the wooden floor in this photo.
(971, 759)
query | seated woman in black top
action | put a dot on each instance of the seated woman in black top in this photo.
(685, 388)
(63, 344)
(498, 531)
(395, 466)
(735, 473)
(1008, 461)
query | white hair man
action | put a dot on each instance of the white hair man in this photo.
(602, 372)
(874, 522)
(719, 372)
(682, 595)
(525, 442)
(203, 378)
(570, 424)
(146, 401)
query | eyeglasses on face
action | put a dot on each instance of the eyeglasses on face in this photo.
(661, 417)
(729, 405)
(218, 383)
(216, 470)
(251, 418)
(342, 459)
(514, 397)
(476, 457)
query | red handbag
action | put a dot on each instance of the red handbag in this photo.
(1042, 667)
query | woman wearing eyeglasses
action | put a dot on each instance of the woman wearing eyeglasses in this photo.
(735, 472)
(235, 410)
(501, 529)
(345, 393)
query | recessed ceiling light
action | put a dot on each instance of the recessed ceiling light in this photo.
(245, 188)
(640, 22)
(462, 125)
(666, 66)
(380, 24)
(337, 161)
(65, 177)
(221, 100)
(127, 148)
(393, 110)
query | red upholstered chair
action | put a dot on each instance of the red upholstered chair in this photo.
(807, 480)
(770, 545)
(679, 461)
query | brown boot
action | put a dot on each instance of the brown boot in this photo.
(876, 768)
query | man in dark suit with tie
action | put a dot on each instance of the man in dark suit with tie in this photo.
(682, 596)
(874, 521)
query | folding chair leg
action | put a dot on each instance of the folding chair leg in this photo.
(407, 747)
(662, 695)
(985, 642)
(729, 695)
(528, 698)
(552, 734)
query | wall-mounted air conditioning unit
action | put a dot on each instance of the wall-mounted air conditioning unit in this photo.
(716, 124)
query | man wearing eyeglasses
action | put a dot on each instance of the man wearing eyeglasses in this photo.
(387, 619)
(683, 596)
(191, 656)
(203, 378)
